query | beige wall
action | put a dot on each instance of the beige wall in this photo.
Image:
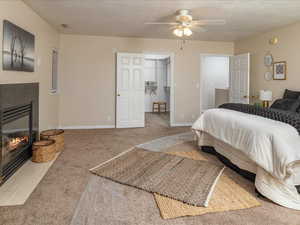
(87, 68)
(46, 39)
(87, 71)
(286, 50)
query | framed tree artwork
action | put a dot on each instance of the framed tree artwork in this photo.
(18, 48)
(279, 70)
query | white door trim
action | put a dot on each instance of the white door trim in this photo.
(202, 55)
(173, 84)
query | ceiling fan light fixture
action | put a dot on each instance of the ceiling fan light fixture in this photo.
(187, 31)
(184, 23)
(178, 32)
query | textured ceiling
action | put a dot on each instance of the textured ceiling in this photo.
(126, 18)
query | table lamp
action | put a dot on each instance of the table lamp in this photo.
(266, 97)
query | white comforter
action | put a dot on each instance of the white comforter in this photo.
(274, 146)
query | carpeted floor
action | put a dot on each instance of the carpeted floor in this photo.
(106, 202)
(157, 119)
(55, 199)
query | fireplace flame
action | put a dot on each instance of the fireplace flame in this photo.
(14, 142)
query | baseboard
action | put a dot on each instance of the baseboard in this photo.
(87, 127)
(181, 124)
(113, 126)
(168, 111)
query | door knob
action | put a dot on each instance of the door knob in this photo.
(118, 95)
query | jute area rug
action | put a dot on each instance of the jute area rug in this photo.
(227, 196)
(186, 180)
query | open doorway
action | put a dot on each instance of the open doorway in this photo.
(157, 75)
(144, 85)
(214, 78)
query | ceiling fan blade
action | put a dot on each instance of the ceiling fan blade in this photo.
(162, 23)
(172, 27)
(199, 29)
(209, 22)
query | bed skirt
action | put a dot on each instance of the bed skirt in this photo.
(270, 187)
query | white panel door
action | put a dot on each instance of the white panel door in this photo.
(214, 75)
(130, 91)
(239, 78)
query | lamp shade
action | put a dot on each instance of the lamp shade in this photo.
(265, 95)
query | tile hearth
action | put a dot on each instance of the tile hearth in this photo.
(18, 188)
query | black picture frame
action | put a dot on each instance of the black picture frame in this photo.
(17, 48)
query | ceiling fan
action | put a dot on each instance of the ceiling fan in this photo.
(184, 23)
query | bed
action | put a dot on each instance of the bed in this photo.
(264, 142)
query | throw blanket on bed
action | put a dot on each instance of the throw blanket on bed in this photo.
(291, 118)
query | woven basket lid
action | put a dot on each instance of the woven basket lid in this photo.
(52, 132)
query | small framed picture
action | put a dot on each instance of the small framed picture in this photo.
(268, 60)
(279, 70)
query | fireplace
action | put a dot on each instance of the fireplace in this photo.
(18, 123)
(17, 138)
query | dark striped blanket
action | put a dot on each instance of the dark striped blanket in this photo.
(291, 118)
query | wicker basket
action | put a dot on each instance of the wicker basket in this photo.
(57, 136)
(43, 151)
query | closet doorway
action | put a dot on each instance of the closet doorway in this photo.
(214, 79)
(158, 90)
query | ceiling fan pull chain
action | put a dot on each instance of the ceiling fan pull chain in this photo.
(183, 41)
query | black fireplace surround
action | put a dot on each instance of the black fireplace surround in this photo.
(18, 125)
